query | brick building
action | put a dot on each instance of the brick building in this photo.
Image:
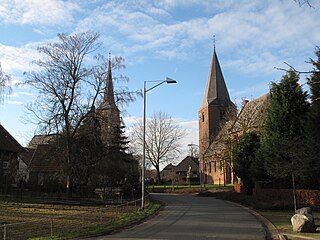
(215, 111)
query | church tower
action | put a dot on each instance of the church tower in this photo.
(215, 107)
(109, 112)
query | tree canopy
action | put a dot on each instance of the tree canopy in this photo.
(283, 137)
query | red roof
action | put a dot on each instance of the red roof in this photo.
(46, 159)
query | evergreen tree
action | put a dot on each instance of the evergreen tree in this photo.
(88, 151)
(117, 168)
(244, 159)
(313, 129)
(284, 131)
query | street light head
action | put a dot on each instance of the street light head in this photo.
(170, 80)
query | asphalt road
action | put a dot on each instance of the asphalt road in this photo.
(190, 217)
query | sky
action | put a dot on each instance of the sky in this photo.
(159, 39)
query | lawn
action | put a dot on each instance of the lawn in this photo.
(282, 221)
(32, 221)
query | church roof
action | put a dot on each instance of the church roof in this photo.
(216, 90)
(108, 96)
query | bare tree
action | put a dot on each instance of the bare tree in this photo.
(303, 2)
(70, 82)
(163, 137)
(4, 84)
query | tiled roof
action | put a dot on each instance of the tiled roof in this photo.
(27, 155)
(46, 159)
(41, 139)
(8, 143)
(185, 163)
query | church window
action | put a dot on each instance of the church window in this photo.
(202, 117)
(222, 115)
(215, 166)
(209, 166)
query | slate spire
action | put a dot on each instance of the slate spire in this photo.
(108, 96)
(216, 90)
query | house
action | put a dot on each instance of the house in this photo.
(46, 169)
(167, 173)
(10, 150)
(187, 171)
(24, 160)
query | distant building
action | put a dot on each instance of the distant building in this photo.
(185, 173)
(167, 173)
(10, 150)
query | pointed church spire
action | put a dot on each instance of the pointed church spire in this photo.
(108, 97)
(216, 90)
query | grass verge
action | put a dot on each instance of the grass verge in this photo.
(110, 226)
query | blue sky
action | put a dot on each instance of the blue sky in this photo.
(163, 38)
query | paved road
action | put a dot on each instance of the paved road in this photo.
(191, 217)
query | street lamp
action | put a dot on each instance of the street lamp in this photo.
(200, 167)
(145, 90)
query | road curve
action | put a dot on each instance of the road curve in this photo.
(189, 217)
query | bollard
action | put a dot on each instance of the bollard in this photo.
(51, 228)
(4, 232)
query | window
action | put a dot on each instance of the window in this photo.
(221, 166)
(40, 179)
(209, 166)
(215, 166)
(222, 115)
(5, 165)
(202, 116)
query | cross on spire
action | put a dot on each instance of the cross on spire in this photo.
(214, 42)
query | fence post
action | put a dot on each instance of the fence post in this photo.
(4, 232)
(51, 228)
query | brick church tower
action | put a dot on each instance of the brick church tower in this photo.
(215, 107)
(109, 112)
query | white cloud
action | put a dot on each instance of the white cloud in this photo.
(17, 58)
(48, 12)
(276, 30)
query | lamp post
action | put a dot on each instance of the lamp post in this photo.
(145, 90)
(200, 167)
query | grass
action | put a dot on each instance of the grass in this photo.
(207, 186)
(110, 226)
(282, 221)
(36, 221)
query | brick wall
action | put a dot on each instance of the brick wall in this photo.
(285, 196)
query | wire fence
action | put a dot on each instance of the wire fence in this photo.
(61, 221)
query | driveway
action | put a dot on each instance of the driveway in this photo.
(189, 217)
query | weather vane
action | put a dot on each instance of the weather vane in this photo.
(214, 41)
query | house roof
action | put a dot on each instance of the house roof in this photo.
(8, 143)
(186, 162)
(216, 90)
(168, 167)
(26, 156)
(41, 139)
(46, 159)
